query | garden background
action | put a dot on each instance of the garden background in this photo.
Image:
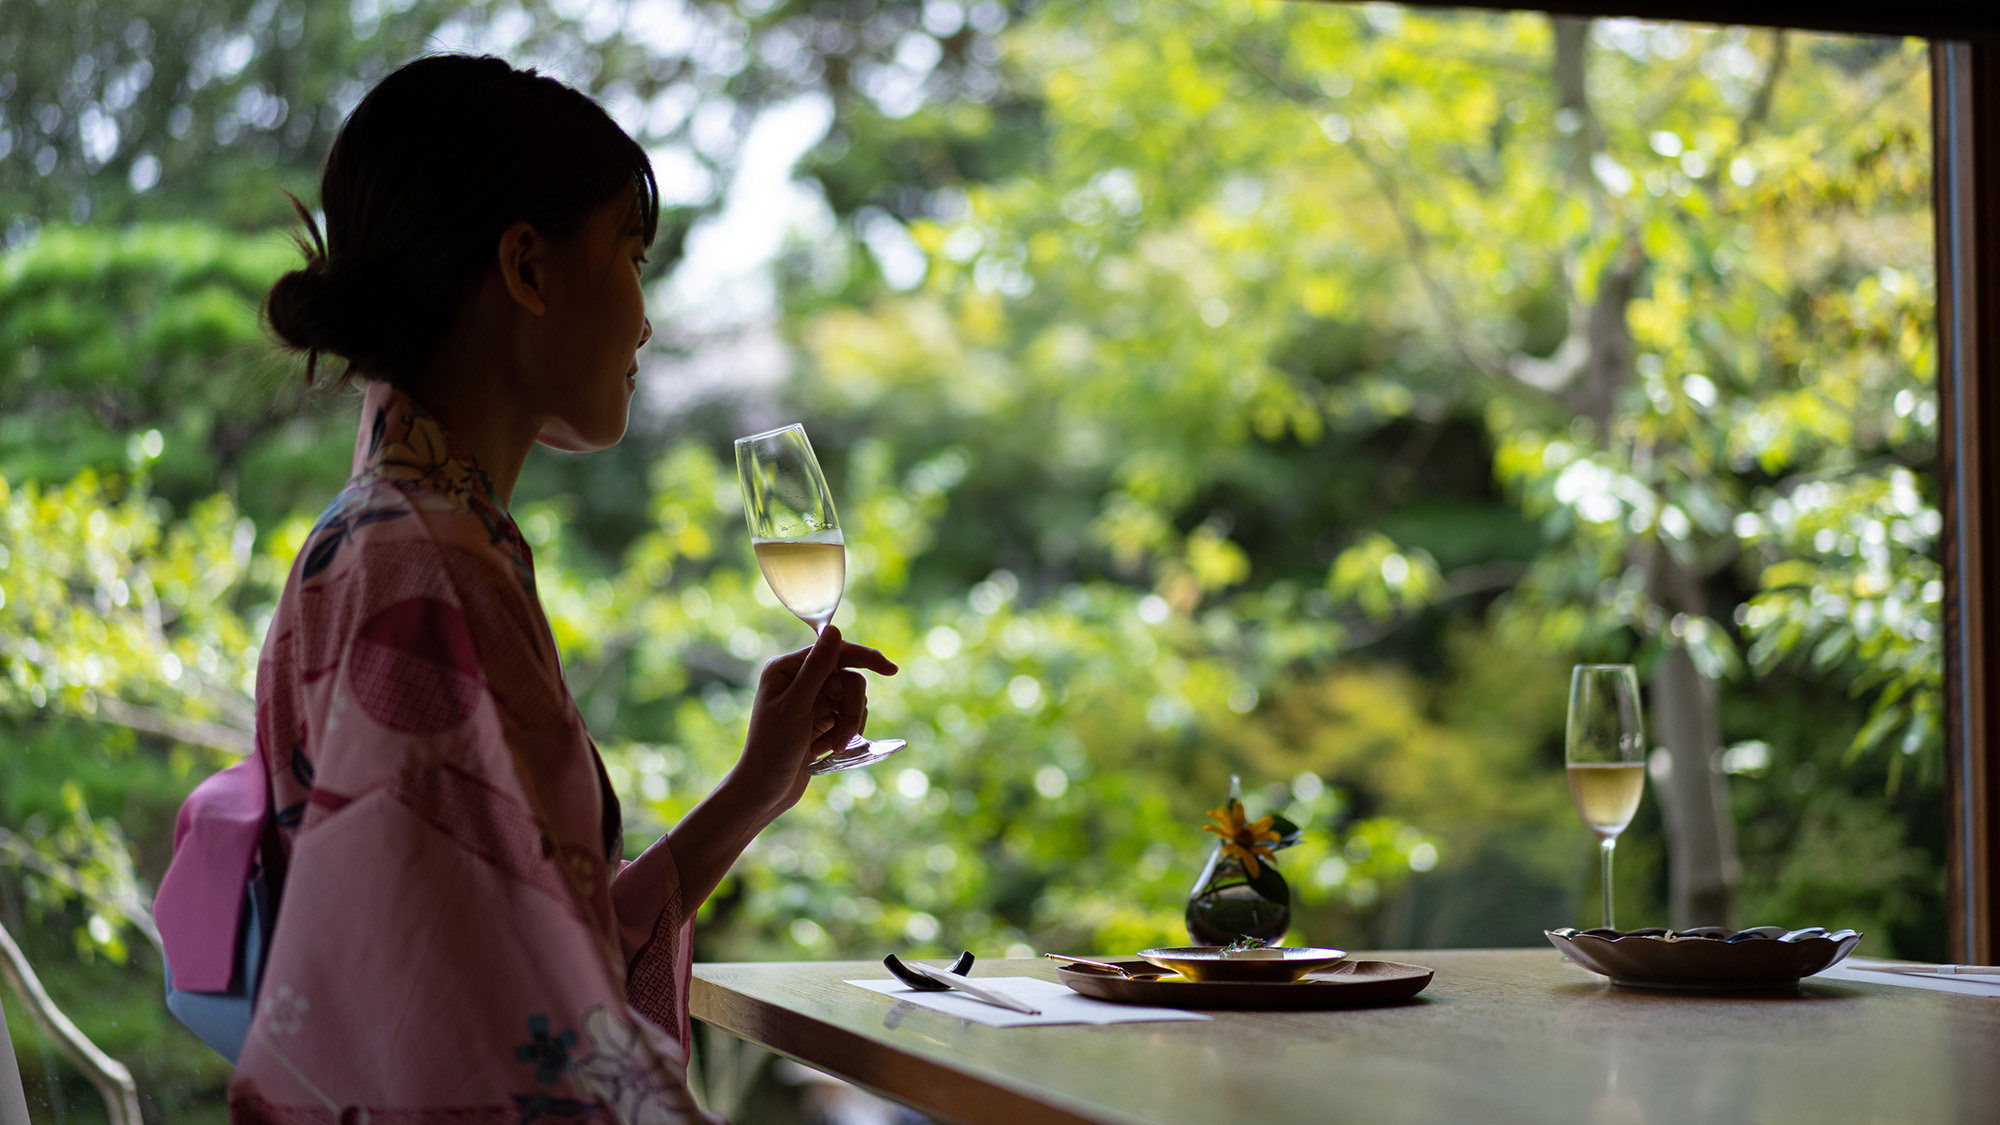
(1209, 387)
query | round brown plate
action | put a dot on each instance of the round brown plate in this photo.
(1346, 984)
(1210, 963)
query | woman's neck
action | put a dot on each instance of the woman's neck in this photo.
(471, 388)
(483, 426)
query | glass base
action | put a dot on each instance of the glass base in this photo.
(857, 753)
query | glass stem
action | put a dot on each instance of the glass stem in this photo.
(1609, 844)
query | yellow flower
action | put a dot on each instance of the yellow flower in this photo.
(1240, 838)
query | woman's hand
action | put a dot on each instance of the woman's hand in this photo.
(809, 703)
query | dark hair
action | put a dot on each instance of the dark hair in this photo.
(430, 168)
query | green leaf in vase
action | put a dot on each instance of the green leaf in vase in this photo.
(1288, 833)
(1270, 885)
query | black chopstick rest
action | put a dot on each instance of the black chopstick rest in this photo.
(922, 983)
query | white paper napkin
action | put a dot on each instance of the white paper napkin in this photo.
(1858, 968)
(1058, 1003)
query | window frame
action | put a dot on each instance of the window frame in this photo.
(1965, 111)
(1965, 127)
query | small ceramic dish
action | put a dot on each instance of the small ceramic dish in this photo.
(1706, 957)
(1211, 963)
(1345, 984)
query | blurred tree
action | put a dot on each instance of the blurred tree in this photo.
(1681, 287)
(111, 617)
(121, 110)
(188, 119)
(106, 333)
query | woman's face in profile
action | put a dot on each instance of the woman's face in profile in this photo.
(587, 344)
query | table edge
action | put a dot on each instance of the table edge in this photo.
(911, 1077)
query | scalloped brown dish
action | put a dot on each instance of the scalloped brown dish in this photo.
(1214, 962)
(1706, 957)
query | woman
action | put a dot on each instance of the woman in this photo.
(459, 937)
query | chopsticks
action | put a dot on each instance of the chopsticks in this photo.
(977, 992)
(1925, 969)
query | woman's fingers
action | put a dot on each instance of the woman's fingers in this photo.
(849, 692)
(809, 703)
(821, 660)
(812, 665)
(826, 705)
(861, 656)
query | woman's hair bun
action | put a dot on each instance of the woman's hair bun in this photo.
(303, 309)
(347, 309)
(433, 164)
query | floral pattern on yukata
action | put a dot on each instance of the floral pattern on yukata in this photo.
(285, 1010)
(625, 1069)
(548, 1053)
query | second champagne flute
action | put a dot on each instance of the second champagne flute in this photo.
(799, 547)
(1605, 752)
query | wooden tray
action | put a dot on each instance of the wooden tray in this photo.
(1347, 984)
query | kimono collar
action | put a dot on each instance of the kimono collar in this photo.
(400, 440)
(403, 446)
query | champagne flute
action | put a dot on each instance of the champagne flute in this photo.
(799, 548)
(1605, 752)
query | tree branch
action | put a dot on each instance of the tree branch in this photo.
(1475, 579)
(1760, 106)
(199, 732)
(1574, 118)
(1852, 120)
(239, 710)
(127, 903)
(1394, 476)
(113, 1081)
(1760, 109)
(1443, 303)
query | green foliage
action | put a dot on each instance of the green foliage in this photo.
(1047, 731)
(1860, 583)
(141, 110)
(107, 333)
(1283, 244)
(116, 619)
(106, 604)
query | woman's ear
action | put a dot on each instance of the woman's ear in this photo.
(523, 261)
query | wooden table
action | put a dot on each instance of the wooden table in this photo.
(1499, 1036)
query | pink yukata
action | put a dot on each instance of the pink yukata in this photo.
(459, 940)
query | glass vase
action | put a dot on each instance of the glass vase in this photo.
(1224, 907)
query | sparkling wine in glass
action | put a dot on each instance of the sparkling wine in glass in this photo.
(799, 547)
(1605, 752)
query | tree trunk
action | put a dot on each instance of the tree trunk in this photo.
(1589, 371)
(1702, 867)
(114, 1082)
(1575, 123)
